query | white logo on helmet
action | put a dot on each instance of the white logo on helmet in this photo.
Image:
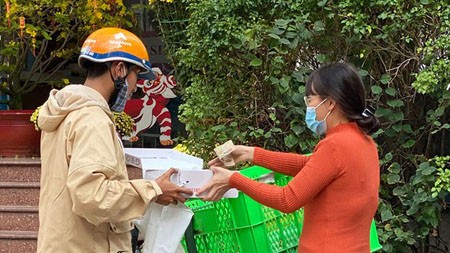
(87, 51)
(120, 36)
(119, 40)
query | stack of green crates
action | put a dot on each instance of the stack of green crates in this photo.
(243, 225)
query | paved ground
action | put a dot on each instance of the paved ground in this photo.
(444, 234)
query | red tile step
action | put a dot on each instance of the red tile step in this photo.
(19, 218)
(18, 241)
(19, 193)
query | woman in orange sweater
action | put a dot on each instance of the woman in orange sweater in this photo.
(338, 184)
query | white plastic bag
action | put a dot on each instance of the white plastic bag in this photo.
(163, 227)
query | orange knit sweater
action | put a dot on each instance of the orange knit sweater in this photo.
(337, 186)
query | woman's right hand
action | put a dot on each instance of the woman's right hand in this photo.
(240, 154)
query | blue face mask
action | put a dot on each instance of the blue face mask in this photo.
(318, 127)
(122, 96)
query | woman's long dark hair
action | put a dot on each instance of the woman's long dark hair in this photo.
(342, 82)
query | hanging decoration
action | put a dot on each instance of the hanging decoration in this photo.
(21, 25)
(7, 13)
(33, 43)
(95, 13)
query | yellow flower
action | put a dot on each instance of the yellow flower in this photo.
(34, 118)
(124, 123)
(152, 1)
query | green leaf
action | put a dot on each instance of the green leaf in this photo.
(428, 171)
(274, 36)
(383, 112)
(256, 62)
(424, 165)
(409, 144)
(386, 215)
(363, 73)
(385, 79)
(282, 22)
(395, 168)
(395, 103)
(412, 210)
(390, 91)
(393, 178)
(46, 35)
(388, 157)
(400, 191)
(298, 98)
(398, 116)
(397, 128)
(285, 41)
(376, 89)
(321, 58)
(420, 197)
(322, 3)
(291, 140)
(318, 26)
(424, 2)
(407, 128)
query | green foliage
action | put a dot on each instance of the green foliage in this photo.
(442, 184)
(243, 64)
(408, 211)
(51, 36)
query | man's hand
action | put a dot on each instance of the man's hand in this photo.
(171, 193)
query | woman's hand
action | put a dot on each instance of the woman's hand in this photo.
(218, 185)
(240, 154)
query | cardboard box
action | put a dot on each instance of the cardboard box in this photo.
(154, 162)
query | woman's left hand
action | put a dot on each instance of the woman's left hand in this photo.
(218, 185)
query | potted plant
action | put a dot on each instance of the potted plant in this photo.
(38, 41)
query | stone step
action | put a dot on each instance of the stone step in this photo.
(20, 170)
(19, 193)
(29, 170)
(19, 218)
(18, 241)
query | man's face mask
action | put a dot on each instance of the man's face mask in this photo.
(120, 96)
(318, 127)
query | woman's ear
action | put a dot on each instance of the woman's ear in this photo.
(331, 104)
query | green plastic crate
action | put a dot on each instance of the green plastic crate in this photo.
(211, 216)
(374, 242)
(274, 235)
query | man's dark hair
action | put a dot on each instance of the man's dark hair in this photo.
(95, 69)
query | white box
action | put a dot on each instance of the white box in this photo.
(161, 159)
(154, 162)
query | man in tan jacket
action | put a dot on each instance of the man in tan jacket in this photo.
(87, 203)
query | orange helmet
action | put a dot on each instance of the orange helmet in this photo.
(115, 44)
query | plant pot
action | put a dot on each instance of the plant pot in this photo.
(18, 137)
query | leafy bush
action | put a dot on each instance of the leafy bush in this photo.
(243, 64)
